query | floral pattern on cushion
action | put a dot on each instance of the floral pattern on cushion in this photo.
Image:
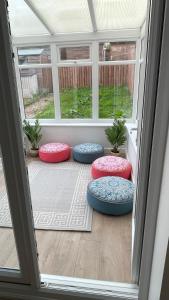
(111, 189)
(111, 163)
(88, 148)
(54, 147)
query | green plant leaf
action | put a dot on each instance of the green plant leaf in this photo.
(33, 133)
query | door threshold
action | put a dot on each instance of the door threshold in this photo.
(89, 288)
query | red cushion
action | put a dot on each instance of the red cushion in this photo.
(54, 152)
(111, 166)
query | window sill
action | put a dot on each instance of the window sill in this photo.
(71, 123)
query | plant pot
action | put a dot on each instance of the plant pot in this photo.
(34, 152)
(118, 154)
(115, 153)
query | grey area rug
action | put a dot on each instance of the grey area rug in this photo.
(58, 193)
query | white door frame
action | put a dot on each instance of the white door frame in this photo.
(19, 194)
(146, 127)
(160, 132)
(14, 166)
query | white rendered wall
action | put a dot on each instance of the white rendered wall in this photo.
(162, 233)
(73, 135)
(76, 134)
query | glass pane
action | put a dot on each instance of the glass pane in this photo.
(37, 90)
(118, 14)
(117, 51)
(23, 21)
(8, 253)
(75, 92)
(74, 53)
(65, 16)
(34, 55)
(115, 90)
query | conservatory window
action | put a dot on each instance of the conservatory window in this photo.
(75, 86)
(115, 90)
(34, 55)
(35, 71)
(37, 91)
(80, 82)
(74, 53)
(116, 78)
(117, 51)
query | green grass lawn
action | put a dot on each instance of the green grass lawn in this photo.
(47, 113)
(78, 103)
(113, 99)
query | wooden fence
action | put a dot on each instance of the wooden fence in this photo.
(80, 77)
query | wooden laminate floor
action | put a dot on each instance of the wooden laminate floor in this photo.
(104, 253)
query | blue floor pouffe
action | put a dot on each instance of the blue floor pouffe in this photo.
(111, 195)
(87, 152)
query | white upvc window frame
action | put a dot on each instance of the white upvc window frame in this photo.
(57, 63)
(94, 62)
(136, 63)
(19, 67)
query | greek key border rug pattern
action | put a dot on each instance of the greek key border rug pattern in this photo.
(58, 193)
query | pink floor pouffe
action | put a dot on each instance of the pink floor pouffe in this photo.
(111, 166)
(54, 152)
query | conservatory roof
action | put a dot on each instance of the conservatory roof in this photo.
(53, 17)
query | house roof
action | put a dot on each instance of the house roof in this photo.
(41, 17)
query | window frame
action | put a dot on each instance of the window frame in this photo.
(19, 67)
(94, 62)
(109, 41)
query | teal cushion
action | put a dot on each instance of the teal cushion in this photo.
(87, 152)
(111, 195)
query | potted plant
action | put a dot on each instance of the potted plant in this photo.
(33, 134)
(117, 133)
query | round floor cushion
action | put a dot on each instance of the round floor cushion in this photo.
(111, 166)
(54, 152)
(87, 152)
(111, 195)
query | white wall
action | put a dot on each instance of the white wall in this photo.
(73, 135)
(162, 233)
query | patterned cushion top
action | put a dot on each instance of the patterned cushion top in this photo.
(112, 189)
(111, 163)
(53, 147)
(88, 148)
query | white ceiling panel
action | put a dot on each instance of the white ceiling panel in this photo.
(64, 16)
(41, 17)
(23, 21)
(119, 14)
